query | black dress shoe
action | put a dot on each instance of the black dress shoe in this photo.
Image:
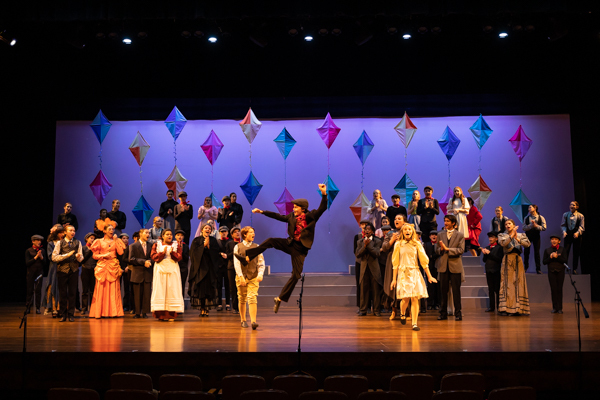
(37, 311)
(63, 318)
(144, 315)
(403, 319)
(71, 318)
(554, 311)
(377, 314)
(362, 314)
(254, 326)
(136, 316)
(560, 311)
(442, 317)
(503, 314)
(244, 324)
(277, 304)
(489, 310)
(458, 317)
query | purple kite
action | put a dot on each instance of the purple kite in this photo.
(328, 131)
(100, 187)
(520, 143)
(284, 202)
(212, 147)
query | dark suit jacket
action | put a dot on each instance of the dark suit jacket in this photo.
(555, 264)
(137, 259)
(307, 236)
(493, 261)
(369, 258)
(430, 251)
(428, 215)
(183, 218)
(452, 258)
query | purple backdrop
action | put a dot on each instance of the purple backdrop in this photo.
(547, 170)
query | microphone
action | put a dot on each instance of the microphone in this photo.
(567, 267)
(38, 278)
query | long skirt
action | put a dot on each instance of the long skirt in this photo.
(410, 283)
(513, 286)
(107, 301)
(166, 288)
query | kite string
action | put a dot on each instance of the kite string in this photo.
(100, 156)
(405, 160)
(479, 170)
(212, 178)
(448, 173)
(520, 176)
(175, 151)
(141, 183)
(284, 173)
(362, 178)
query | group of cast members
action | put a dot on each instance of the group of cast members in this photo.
(153, 270)
(395, 269)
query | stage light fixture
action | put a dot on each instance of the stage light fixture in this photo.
(212, 39)
(142, 35)
(406, 36)
(186, 34)
(503, 35)
(436, 30)
(113, 35)
(198, 34)
(422, 30)
(336, 31)
(308, 38)
(127, 40)
(323, 32)
(10, 42)
(392, 30)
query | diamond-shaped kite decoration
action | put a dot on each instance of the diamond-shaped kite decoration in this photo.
(520, 205)
(448, 142)
(328, 131)
(359, 207)
(250, 126)
(176, 182)
(175, 122)
(406, 130)
(481, 132)
(100, 187)
(215, 201)
(285, 142)
(363, 147)
(284, 202)
(251, 188)
(446, 200)
(332, 191)
(139, 148)
(212, 147)
(405, 188)
(100, 125)
(480, 192)
(520, 144)
(142, 211)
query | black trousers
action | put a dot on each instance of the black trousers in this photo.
(141, 295)
(223, 282)
(184, 274)
(535, 243)
(426, 228)
(357, 276)
(127, 297)
(556, 280)
(370, 292)
(493, 282)
(88, 283)
(233, 289)
(32, 274)
(67, 291)
(433, 290)
(576, 243)
(448, 279)
(298, 253)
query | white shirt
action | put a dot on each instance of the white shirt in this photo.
(260, 260)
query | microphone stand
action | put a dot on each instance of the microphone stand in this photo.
(578, 306)
(299, 301)
(27, 311)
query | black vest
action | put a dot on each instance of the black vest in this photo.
(70, 263)
(249, 271)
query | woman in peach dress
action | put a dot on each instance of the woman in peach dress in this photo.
(107, 300)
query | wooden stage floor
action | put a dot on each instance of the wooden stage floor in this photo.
(326, 329)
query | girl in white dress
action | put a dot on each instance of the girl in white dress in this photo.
(410, 284)
(459, 206)
(167, 298)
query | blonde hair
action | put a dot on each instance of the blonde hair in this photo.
(463, 199)
(413, 237)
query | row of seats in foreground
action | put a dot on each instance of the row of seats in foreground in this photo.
(456, 386)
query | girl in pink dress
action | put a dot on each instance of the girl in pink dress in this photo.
(107, 300)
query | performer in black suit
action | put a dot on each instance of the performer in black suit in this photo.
(573, 227)
(118, 216)
(371, 282)
(433, 289)
(67, 255)
(204, 256)
(167, 209)
(126, 275)
(555, 258)
(357, 237)
(450, 247)
(68, 218)
(185, 258)
(35, 260)
(183, 214)
(492, 258)
(231, 273)
(301, 231)
(142, 268)
(428, 208)
(88, 280)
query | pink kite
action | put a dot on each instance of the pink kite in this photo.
(520, 143)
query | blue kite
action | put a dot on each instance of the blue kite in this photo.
(448, 143)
